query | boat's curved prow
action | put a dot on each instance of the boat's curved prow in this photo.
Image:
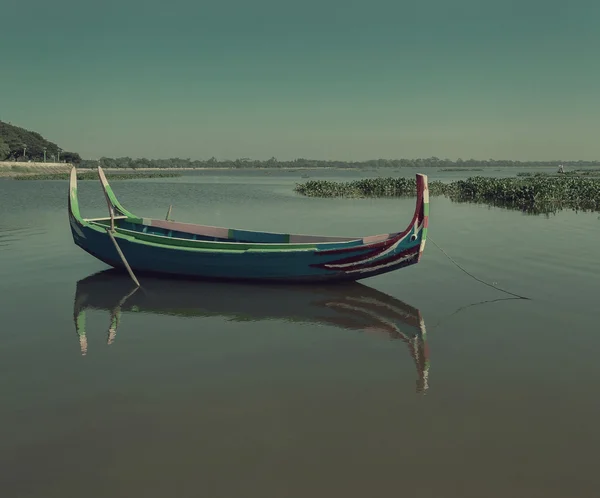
(111, 198)
(383, 253)
(73, 199)
(76, 221)
(422, 210)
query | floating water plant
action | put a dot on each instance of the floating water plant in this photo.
(369, 187)
(538, 193)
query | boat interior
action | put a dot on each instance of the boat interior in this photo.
(150, 229)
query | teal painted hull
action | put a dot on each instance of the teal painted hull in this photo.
(155, 246)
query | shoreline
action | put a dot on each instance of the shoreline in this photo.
(16, 169)
(217, 169)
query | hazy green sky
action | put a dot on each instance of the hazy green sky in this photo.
(331, 79)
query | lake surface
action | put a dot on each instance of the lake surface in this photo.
(227, 390)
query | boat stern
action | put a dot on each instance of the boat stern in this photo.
(75, 220)
(382, 254)
(423, 193)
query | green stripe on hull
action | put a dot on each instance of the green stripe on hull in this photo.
(116, 203)
(75, 204)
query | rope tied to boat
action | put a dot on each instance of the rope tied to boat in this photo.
(473, 276)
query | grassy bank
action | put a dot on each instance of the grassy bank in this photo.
(94, 176)
(536, 194)
(13, 170)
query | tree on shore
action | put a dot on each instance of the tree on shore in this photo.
(25, 145)
(4, 150)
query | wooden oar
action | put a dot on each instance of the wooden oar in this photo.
(112, 237)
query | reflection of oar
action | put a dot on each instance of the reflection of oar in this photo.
(115, 317)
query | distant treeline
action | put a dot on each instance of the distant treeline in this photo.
(19, 144)
(432, 162)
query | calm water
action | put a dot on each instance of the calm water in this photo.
(229, 390)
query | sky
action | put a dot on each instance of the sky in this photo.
(320, 79)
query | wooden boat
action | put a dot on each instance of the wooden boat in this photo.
(349, 306)
(185, 249)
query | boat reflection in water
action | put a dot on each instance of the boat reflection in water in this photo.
(350, 306)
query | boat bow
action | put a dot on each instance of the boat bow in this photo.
(383, 253)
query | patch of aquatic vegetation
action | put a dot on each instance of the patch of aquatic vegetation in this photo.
(542, 193)
(576, 172)
(94, 176)
(369, 187)
(532, 194)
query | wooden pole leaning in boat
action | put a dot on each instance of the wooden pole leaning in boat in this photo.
(114, 241)
(169, 213)
(111, 210)
(110, 231)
